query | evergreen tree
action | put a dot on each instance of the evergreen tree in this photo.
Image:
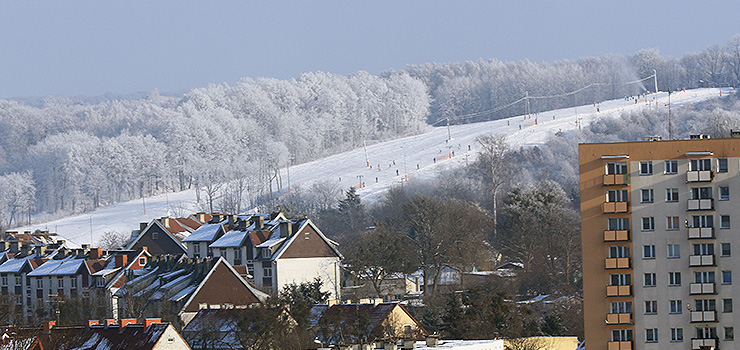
(352, 212)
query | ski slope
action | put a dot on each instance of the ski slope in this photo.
(415, 157)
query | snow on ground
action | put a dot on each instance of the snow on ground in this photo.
(415, 157)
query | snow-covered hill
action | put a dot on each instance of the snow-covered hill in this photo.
(420, 156)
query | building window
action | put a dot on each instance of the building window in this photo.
(307, 235)
(39, 283)
(651, 307)
(224, 253)
(700, 164)
(724, 193)
(729, 333)
(726, 277)
(142, 261)
(196, 248)
(704, 277)
(674, 278)
(619, 251)
(620, 279)
(703, 221)
(722, 165)
(616, 168)
(648, 223)
(619, 224)
(646, 167)
(701, 193)
(706, 332)
(646, 195)
(676, 306)
(648, 252)
(621, 335)
(4, 280)
(674, 251)
(724, 221)
(651, 335)
(726, 250)
(616, 195)
(267, 272)
(726, 305)
(649, 279)
(73, 282)
(671, 167)
(677, 334)
(671, 194)
(671, 223)
(18, 280)
(706, 305)
(155, 235)
(100, 281)
(621, 307)
(60, 282)
(266, 252)
(704, 249)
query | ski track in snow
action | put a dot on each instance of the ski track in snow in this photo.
(346, 168)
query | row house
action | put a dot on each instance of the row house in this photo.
(178, 286)
(275, 250)
(165, 235)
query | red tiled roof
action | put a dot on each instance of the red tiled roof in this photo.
(191, 223)
(259, 236)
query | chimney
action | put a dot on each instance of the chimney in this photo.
(91, 323)
(165, 221)
(24, 249)
(127, 321)
(230, 219)
(332, 302)
(48, 325)
(96, 253)
(202, 217)
(85, 246)
(121, 260)
(109, 321)
(242, 225)
(150, 321)
(286, 228)
(735, 134)
(14, 246)
(258, 222)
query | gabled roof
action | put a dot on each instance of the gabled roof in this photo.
(16, 264)
(233, 238)
(67, 266)
(133, 242)
(223, 324)
(347, 315)
(291, 239)
(132, 336)
(262, 297)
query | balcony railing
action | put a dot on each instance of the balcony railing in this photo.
(616, 235)
(701, 288)
(701, 204)
(618, 291)
(703, 316)
(619, 345)
(623, 318)
(698, 343)
(701, 233)
(616, 179)
(615, 207)
(699, 176)
(701, 260)
(617, 263)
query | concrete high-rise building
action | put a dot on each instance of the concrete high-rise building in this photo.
(659, 221)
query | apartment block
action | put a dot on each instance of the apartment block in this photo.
(659, 221)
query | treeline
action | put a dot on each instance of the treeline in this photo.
(82, 156)
(481, 90)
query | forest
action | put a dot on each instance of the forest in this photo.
(60, 156)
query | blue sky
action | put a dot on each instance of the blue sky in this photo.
(89, 48)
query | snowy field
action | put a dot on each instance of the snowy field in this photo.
(414, 157)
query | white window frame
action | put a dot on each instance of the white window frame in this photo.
(724, 221)
(724, 193)
(675, 307)
(649, 279)
(670, 167)
(651, 307)
(647, 195)
(674, 279)
(722, 165)
(674, 251)
(727, 277)
(646, 167)
(671, 195)
(651, 335)
(672, 223)
(648, 251)
(648, 223)
(722, 247)
(676, 335)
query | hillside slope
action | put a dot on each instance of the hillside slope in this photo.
(420, 156)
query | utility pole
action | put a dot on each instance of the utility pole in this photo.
(449, 135)
(670, 134)
(655, 75)
(360, 176)
(367, 160)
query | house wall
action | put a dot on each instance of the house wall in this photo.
(308, 244)
(162, 245)
(305, 270)
(222, 287)
(170, 340)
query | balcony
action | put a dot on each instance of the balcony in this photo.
(625, 318)
(701, 288)
(615, 207)
(616, 180)
(699, 176)
(703, 316)
(701, 233)
(698, 343)
(618, 291)
(617, 263)
(701, 204)
(619, 345)
(701, 260)
(616, 235)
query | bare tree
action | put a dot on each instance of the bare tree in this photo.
(732, 55)
(529, 343)
(112, 240)
(493, 154)
(713, 62)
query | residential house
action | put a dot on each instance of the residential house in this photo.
(160, 236)
(199, 241)
(226, 329)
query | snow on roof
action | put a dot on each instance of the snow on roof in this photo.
(232, 238)
(67, 266)
(183, 293)
(14, 265)
(463, 344)
(206, 232)
(271, 242)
